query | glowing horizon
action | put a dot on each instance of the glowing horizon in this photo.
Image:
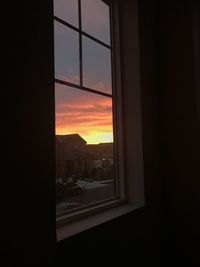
(83, 113)
(92, 139)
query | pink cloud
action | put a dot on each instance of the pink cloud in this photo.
(82, 112)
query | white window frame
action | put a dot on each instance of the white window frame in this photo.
(129, 140)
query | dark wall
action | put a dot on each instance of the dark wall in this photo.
(179, 83)
(28, 209)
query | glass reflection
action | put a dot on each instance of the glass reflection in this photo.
(96, 66)
(96, 19)
(84, 148)
(67, 10)
(66, 53)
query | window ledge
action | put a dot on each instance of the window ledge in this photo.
(86, 223)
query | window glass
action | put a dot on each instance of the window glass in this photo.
(96, 19)
(84, 148)
(96, 66)
(85, 166)
(66, 53)
(67, 10)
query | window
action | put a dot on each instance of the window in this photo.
(88, 109)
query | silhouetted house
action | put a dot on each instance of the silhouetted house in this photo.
(101, 151)
(75, 157)
(103, 159)
(71, 158)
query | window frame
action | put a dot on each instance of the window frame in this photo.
(131, 185)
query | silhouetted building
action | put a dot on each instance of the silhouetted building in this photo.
(75, 157)
(104, 161)
(70, 157)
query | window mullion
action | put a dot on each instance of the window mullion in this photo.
(80, 44)
(83, 88)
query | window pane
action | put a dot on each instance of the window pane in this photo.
(96, 66)
(67, 10)
(66, 53)
(96, 19)
(84, 148)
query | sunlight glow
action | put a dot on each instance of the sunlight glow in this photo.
(86, 114)
(94, 137)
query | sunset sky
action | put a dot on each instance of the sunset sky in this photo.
(78, 111)
(87, 114)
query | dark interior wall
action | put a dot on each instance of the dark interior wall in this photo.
(27, 102)
(28, 147)
(179, 82)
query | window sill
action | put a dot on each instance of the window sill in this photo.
(76, 227)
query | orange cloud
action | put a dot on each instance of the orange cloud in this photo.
(87, 114)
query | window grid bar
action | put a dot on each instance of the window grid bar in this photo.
(83, 88)
(80, 44)
(81, 32)
(113, 105)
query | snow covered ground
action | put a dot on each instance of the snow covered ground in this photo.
(87, 185)
(93, 191)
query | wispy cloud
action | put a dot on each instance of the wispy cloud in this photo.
(85, 113)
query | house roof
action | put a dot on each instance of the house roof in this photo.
(70, 138)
